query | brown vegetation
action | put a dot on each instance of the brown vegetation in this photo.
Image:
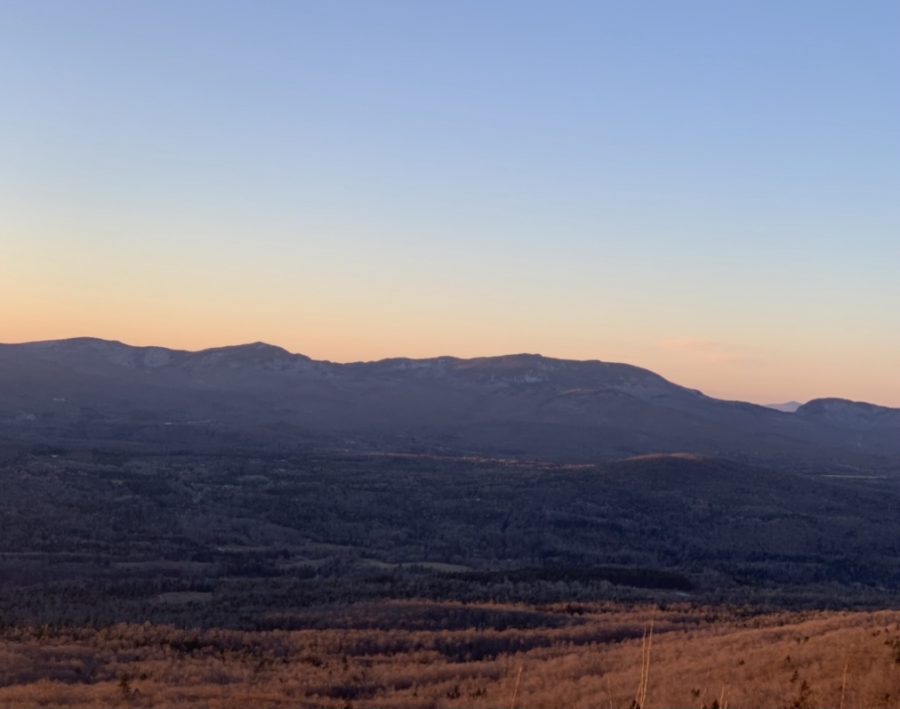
(584, 656)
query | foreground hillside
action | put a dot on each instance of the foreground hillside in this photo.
(564, 656)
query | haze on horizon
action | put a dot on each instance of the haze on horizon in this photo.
(704, 189)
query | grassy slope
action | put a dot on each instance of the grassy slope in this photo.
(698, 656)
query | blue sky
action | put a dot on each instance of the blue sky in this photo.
(708, 189)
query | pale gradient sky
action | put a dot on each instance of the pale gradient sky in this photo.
(708, 189)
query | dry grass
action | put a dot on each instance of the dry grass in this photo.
(640, 699)
(700, 658)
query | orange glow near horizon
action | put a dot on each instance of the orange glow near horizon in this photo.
(717, 370)
(340, 310)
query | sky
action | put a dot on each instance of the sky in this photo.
(708, 189)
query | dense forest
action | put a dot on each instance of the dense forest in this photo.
(248, 541)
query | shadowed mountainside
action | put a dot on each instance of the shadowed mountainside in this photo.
(518, 405)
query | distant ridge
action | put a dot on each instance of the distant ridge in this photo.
(522, 405)
(787, 407)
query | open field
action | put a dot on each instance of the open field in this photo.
(569, 656)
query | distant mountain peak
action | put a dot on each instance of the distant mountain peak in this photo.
(850, 414)
(97, 343)
(787, 407)
(834, 403)
(257, 347)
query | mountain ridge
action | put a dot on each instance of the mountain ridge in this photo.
(264, 348)
(519, 405)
